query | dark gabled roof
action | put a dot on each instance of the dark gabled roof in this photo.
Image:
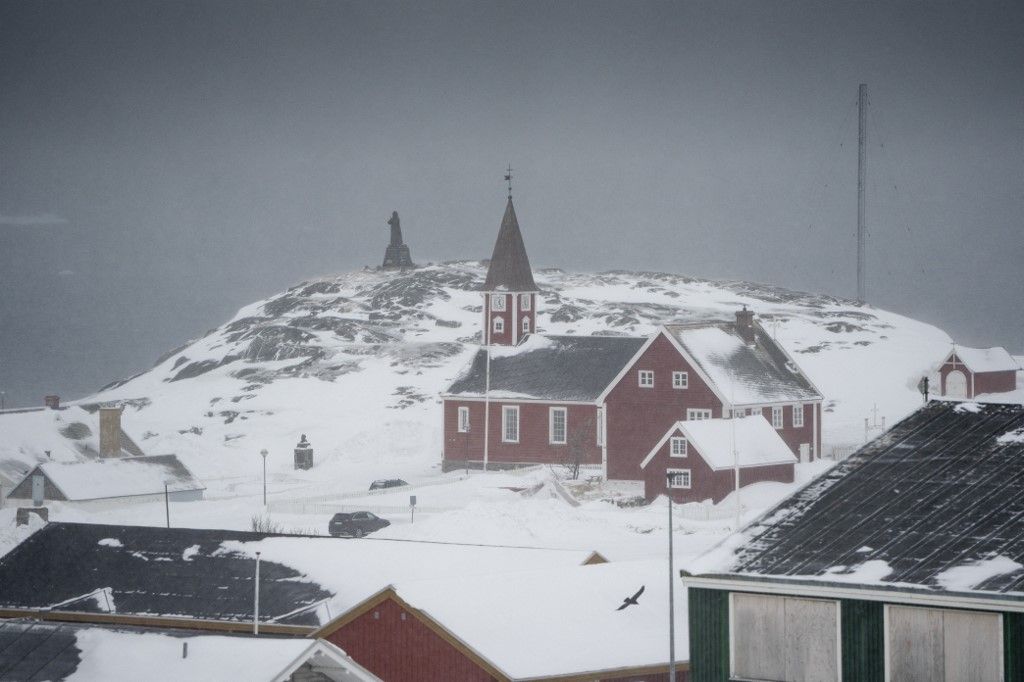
(38, 651)
(942, 490)
(510, 267)
(150, 571)
(745, 374)
(550, 367)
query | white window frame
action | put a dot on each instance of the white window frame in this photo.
(798, 410)
(506, 411)
(680, 380)
(526, 325)
(645, 374)
(551, 425)
(463, 420)
(599, 421)
(778, 417)
(498, 302)
(499, 325)
(524, 303)
(685, 473)
(697, 414)
(682, 450)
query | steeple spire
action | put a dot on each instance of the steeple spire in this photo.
(510, 266)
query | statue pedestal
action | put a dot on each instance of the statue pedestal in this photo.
(397, 257)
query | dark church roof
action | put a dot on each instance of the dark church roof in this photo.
(134, 570)
(550, 367)
(510, 267)
(937, 503)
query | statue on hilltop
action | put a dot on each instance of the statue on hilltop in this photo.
(397, 253)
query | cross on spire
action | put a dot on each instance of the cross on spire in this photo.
(508, 179)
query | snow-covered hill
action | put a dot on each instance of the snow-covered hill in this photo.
(357, 361)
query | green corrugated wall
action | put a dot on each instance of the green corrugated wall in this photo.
(1013, 647)
(863, 640)
(709, 635)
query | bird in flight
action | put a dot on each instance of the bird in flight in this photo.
(631, 601)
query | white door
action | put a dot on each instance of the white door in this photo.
(805, 452)
(956, 384)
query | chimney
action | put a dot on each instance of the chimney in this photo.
(52, 402)
(745, 325)
(110, 431)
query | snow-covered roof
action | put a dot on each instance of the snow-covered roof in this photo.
(207, 574)
(41, 650)
(934, 505)
(744, 374)
(980, 360)
(546, 367)
(565, 620)
(69, 434)
(117, 477)
(756, 442)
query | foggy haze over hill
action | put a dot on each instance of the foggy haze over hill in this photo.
(164, 164)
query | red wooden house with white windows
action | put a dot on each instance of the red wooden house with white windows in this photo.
(528, 398)
(698, 460)
(969, 372)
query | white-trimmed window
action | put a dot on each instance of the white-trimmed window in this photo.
(680, 380)
(798, 416)
(783, 638)
(943, 644)
(697, 414)
(678, 479)
(645, 378)
(498, 302)
(510, 423)
(777, 417)
(524, 302)
(677, 446)
(499, 325)
(463, 419)
(526, 325)
(558, 423)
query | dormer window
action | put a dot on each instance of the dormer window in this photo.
(498, 302)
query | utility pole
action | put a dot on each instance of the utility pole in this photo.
(862, 160)
(264, 453)
(256, 599)
(671, 593)
(167, 504)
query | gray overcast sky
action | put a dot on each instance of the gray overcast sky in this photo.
(163, 164)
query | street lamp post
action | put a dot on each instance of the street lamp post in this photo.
(671, 592)
(264, 453)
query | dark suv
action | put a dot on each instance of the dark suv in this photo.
(355, 524)
(387, 483)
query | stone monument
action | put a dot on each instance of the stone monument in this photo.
(397, 253)
(303, 454)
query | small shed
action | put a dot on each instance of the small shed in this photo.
(113, 479)
(698, 454)
(969, 372)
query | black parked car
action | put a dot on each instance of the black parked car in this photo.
(355, 524)
(387, 483)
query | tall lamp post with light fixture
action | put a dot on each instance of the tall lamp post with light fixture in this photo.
(264, 453)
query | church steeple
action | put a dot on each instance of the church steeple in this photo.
(509, 290)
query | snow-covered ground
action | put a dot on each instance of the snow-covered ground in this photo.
(356, 362)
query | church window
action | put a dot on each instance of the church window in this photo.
(510, 423)
(524, 302)
(645, 378)
(499, 325)
(526, 325)
(697, 414)
(559, 421)
(680, 380)
(678, 446)
(798, 416)
(679, 478)
(777, 417)
(463, 420)
(498, 302)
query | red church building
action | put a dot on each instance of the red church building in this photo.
(969, 372)
(529, 398)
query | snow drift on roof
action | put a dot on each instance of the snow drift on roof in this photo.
(978, 360)
(744, 374)
(120, 477)
(757, 443)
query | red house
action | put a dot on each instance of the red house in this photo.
(969, 372)
(697, 460)
(606, 400)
